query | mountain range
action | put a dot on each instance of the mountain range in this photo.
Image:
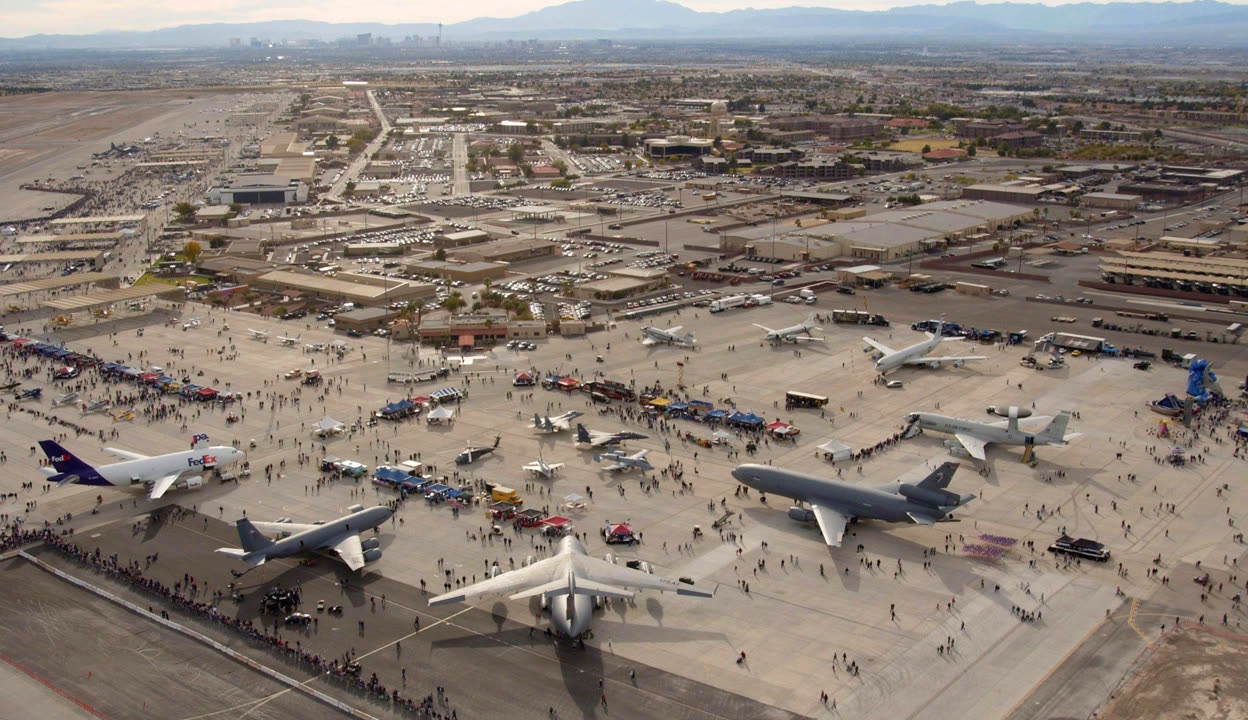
(1145, 23)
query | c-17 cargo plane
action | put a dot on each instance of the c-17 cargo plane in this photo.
(653, 336)
(833, 503)
(342, 536)
(916, 354)
(799, 332)
(975, 436)
(160, 472)
(569, 583)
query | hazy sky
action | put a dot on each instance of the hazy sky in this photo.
(28, 17)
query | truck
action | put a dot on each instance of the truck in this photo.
(761, 299)
(807, 295)
(731, 301)
(499, 493)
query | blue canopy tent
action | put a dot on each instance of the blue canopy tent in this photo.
(741, 418)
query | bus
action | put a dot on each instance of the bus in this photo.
(794, 399)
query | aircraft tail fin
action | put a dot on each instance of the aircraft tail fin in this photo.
(1055, 431)
(582, 435)
(496, 439)
(940, 477)
(63, 461)
(250, 538)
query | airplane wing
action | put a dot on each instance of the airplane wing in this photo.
(807, 338)
(281, 528)
(764, 327)
(125, 454)
(601, 571)
(161, 486)
(922, 519)
(351, 551)
(537, 574)
(973, 445)
(639, 455)
(831, 523)
(879, 346)
(615, 466)
(554, 466)
(950, 358)
(674, 330)
(649, 341)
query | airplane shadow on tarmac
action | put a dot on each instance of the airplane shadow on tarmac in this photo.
(879, 546)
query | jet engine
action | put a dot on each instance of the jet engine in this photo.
(193, 482)
(935, 498)
(958, 363)
(934, 364)
(372, 555)
(802, 514)
(371, 544)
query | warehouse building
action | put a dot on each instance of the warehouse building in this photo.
(363, 290)
(508, 250)
(1111, 201)
(258, 189)
(1004, 193)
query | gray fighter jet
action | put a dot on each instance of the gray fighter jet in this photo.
(833, 504)
(342, 536)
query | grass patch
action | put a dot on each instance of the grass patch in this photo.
(916, 144)
(149, 279)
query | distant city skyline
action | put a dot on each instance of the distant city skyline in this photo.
(31, 17)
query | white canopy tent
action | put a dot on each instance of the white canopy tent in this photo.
(836, 449)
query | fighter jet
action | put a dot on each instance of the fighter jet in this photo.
(559, 423)
(97, 406)
(570, 584)
(159, 472)
(68, 398)
(833, 503)
(544, 469)
(623, 461)
(31, 394)
(599, 438)
(287, 341)
(671, 336)
(975, 436)
(342, 536)
(796, 333)
(261, 335)
(916, 354)
(471, 453)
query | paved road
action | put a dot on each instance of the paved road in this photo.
(459, 165)
(352, 171)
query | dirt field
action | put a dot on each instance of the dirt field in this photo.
(916, 144)
(1177, 681)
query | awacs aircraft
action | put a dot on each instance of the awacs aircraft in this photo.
(543, 468)
(623, 461)
(341, 536)
(262, 335)
(570, 584)
(97, 406)
(975, 436)
(599, 438)
(471, 453)
(833, 503)
(799, 332)
(916, 354)
(287, 341)
(559, 423)
(671, 336)
(160, 472)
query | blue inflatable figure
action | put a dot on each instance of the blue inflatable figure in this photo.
(1202, 384)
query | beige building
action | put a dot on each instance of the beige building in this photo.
(363, 290)
(509, 250)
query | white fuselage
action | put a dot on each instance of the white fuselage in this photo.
(148, 470)
(1011, 434)
(663, 336)
(901, 357)
(788, 334)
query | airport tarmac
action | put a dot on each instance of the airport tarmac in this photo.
(794, 619)
(104, 661)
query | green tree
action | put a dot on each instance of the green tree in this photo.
(350, 188)
(331, 142)
(454, 301)
(184, 211)
(515, 153)
(927, 149)
(356, 145)
(970, 151)
(191, 251)
(440, 255)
